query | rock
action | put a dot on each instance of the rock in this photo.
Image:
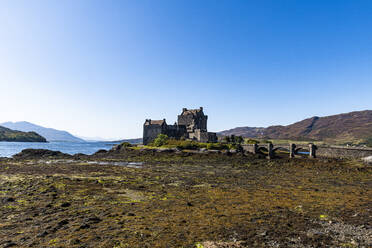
(80, 156)
(62, 223)
(100, 152)
(65, 204)
(93, 220)
(166, 150)
(368, 159)
(84, 226)
(8, 199)
(39, 154)
(214, 151)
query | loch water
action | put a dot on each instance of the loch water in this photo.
(8, 149)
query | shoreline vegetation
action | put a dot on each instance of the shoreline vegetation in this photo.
(134, 196)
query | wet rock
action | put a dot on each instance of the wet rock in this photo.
(84, 226)
(40, 153)
(65, 204)
(8, 199)
(80, 156)
(100, 152)
(62, 223)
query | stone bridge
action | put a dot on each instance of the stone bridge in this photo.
(308, 149)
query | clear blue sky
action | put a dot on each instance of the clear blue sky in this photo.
(100, 68)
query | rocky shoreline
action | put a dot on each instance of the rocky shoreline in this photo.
(129, 197)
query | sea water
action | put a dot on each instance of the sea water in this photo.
(8, 149)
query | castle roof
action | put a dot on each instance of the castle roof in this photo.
(155, 122)
(186, 111)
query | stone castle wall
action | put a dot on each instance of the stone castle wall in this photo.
(150, 132)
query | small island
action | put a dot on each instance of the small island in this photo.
(10, 135)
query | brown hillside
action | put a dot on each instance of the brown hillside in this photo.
(347, 127)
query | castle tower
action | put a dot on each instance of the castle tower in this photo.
(193, 119)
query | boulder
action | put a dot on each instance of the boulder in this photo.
(368, 159)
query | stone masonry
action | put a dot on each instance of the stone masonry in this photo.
(191, 124)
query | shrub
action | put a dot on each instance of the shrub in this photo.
(171, 142)
(251, 141)
(160, 140)
(226, 139)
(233, 139)
(217, 146)
(125, 144)
(239, 139)
(188, 144)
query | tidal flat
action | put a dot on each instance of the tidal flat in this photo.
(180, 199)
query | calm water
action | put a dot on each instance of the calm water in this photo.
(8, 149)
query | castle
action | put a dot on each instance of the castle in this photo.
(192, 125)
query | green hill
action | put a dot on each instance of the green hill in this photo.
(7, 134)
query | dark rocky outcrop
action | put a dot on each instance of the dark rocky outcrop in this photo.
(39, 154)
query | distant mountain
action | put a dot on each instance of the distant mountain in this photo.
(93, 139)
(7, 134)
(248, 132)
(49, 133)
(348, 127)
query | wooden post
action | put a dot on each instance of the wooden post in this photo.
(312, 149)
(255, 148)
(270, 153)
(292, 150)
